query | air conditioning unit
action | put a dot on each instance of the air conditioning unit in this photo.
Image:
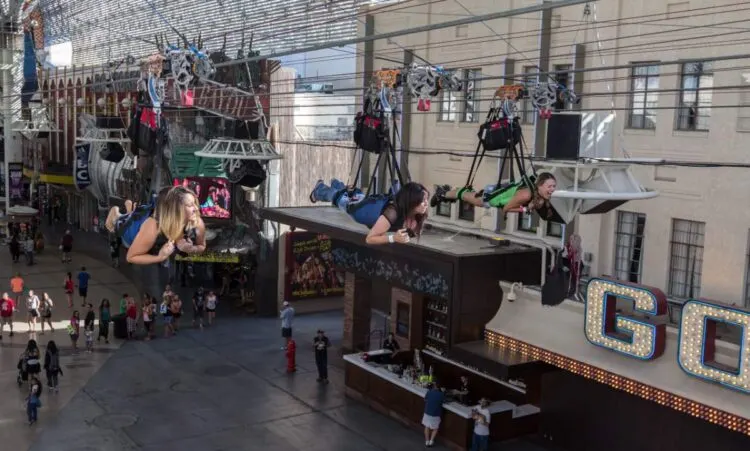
(572, 135)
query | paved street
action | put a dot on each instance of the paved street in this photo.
(223, 388)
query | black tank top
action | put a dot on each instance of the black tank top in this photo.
(397, 221)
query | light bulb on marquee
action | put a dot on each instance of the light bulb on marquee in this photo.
(100, 102)
(79, 102)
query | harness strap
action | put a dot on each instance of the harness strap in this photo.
(477, 154)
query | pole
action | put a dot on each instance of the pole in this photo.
(545, 38)
(543, 6)
(368, 68)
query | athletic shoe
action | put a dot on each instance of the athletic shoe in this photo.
(439, 195)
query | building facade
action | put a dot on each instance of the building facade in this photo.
(668, 73)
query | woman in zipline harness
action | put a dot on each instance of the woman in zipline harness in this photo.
(390, 220)
(152, 232)
(514, 198)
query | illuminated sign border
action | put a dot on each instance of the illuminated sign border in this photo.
(721, 375)
(608, 315)
(662, 397)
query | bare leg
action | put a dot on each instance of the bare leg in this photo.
(128, 206)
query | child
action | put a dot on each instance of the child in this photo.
(74, 329)
(89, 333)
(132, 318)
(32, 401)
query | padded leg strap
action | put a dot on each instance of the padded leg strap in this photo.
(465, 189)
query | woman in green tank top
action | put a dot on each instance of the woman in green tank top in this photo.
(514, 198)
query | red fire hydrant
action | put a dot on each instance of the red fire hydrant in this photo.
(291, 355)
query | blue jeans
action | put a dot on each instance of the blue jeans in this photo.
(325, 193)
(480, 442)
(31, 409)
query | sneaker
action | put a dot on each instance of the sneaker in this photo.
(313, 199)
(439, 195)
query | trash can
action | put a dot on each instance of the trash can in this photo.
(120, 326)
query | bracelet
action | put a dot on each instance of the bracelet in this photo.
(390, 238)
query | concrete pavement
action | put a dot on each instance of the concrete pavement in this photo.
(223, 388)
(47, 276)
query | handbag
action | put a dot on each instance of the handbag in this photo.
(556, 284)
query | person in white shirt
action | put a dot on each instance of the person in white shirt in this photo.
(481, 416)
(32, 304)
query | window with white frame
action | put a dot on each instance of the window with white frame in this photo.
(465, 211)
(743, 115)
(443, 209)
(448, 105)
(528, 222)
(555, 229)
(564, 81)
(686, 258)
(472, 78)
(528, 114)
(747, 273)
(696, 92)
(644, 81)
(629, 246)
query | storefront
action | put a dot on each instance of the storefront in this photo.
(608, 374)
(439, 293)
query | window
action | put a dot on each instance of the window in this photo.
(629, 246)
(465, 211)
(743, 115)
(528, 222)
(472, 78)
(444, 209)
(555, 229)
(448, 106)
(528, 115)
(564, 81)
(696, 86)
(686, 262)
(644, 81)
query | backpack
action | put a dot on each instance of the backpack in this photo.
(129, 226)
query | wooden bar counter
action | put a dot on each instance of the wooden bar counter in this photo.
(386, 392)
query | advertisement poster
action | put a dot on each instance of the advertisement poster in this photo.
(15, 183)
(310, 272)
(214, 195)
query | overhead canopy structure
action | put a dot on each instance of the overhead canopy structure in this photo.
(102, 30)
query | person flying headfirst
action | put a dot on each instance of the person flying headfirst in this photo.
(152, 231)
(527, 195)
(389, 218)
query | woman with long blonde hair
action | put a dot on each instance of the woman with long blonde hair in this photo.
(152, 233)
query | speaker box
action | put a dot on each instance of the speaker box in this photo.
(564, 136)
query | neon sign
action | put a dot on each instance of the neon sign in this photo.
(643, 336)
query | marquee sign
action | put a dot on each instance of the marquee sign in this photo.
(643, 335)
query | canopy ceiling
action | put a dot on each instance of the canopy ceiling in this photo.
(103, 30)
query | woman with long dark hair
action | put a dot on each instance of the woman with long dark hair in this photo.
(393, 220)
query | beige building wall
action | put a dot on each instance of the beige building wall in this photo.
(628, 31)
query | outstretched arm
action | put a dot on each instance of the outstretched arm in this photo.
(379, 233)
(517, 203)
(138, 253)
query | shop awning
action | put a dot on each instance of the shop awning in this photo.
(500, 363)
